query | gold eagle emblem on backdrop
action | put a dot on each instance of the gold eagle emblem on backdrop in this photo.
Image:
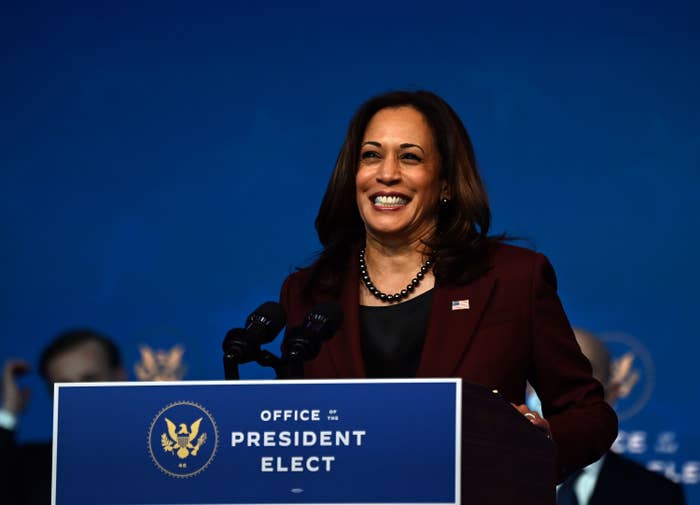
(632, 374)
(624, 376)
(180, 440)
(160, 365)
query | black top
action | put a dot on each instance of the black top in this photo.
(393, 336)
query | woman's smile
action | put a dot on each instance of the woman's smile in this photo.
(389, 201)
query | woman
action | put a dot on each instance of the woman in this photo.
(426, 292)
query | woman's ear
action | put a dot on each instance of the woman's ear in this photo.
(445, 191)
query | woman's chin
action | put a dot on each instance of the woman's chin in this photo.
(396, 234)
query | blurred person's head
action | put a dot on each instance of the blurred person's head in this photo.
(81, 355)
(599, 357)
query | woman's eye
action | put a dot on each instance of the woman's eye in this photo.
(369, 154)
(410, 157)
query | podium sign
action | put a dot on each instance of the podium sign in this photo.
(257, 442)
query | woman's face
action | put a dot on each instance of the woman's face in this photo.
(398, 181)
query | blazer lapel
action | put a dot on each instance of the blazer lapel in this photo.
(345, 346)
(450, 331)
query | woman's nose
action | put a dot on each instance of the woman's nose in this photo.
(389, 171)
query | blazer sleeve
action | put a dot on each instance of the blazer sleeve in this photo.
(583, 425)
(295, 307)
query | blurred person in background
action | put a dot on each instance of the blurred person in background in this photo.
(614, 479)
(81, 355)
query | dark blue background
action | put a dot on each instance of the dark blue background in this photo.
(161, 163)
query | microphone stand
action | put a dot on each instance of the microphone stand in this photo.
(292, 366)
(231, 367)
(263, 358)
(267, 359)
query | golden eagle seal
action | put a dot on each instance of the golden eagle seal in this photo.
(160, 365)
(633, 373)
(182, 439)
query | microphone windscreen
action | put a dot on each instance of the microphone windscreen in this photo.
(269, 319)
(324, 319)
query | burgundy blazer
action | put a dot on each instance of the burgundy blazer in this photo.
(514, 331)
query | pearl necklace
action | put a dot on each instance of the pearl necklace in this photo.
(396, 297)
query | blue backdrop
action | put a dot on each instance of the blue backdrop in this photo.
(161, 166)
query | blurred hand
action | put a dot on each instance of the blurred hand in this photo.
(532, 416)
(14, 399)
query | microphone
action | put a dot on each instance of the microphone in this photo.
(303, 343)
(242, 345)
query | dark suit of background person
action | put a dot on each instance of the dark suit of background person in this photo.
(514, 330)
(74, 356)
(621, 480)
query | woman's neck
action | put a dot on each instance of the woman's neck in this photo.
(396, 258)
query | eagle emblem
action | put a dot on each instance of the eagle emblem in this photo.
(632, 375)
(624, 376)
(180, 440)
(160, 365)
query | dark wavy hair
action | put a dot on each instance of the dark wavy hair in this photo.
(461, 241)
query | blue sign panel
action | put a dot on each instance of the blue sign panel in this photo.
(257, 442)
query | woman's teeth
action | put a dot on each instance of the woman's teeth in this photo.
(389, 201)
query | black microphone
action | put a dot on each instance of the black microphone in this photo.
(303, 343)
(242, 345)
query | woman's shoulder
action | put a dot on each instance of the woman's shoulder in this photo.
(516, 261)
(298, 278)
(503, 253)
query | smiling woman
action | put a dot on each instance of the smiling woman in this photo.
(398, 179)
(427, 292)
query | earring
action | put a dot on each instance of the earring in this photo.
(444, 200)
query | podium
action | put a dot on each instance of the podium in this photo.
(403, 441)
(505, 459)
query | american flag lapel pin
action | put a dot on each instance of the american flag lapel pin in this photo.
(460, 304)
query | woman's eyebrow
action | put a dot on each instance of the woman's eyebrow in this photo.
(402, 146)
(406, 146)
